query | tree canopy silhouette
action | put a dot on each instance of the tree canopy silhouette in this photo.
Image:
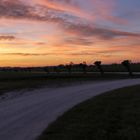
(69, 67)
(98, 65)
(83, 66)
(126, 64)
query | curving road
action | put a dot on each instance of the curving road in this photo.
(25, 117)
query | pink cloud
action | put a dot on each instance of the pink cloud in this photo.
(64, 6)
(93, 10)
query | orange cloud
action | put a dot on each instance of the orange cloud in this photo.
(57, 32)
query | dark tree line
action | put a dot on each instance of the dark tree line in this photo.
(83, 66)
(71, 67)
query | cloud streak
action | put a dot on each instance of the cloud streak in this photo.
(72, 24)
(94, 31)
(58, 31)
(26, 54)
(18, 10)
(7, 37)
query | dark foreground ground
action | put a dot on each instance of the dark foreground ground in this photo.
(10, 81)
(114, 115)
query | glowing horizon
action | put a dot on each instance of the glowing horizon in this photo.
(53, 32)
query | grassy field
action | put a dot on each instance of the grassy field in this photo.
(10, 81)
(114, 115)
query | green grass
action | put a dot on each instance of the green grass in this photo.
(10, 80)
(10, 75)
(114, 115)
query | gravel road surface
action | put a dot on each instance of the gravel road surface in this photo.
(25, 117)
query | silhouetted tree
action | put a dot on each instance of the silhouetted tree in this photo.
(126, 64)
(84, 67)
(69, 67)
(98, 65)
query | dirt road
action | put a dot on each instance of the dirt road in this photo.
(25, 117)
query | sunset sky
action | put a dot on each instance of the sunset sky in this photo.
(52, 32)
